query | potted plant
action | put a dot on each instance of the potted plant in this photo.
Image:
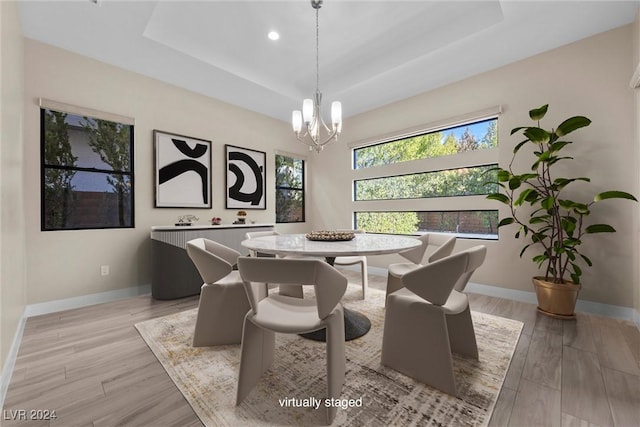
(552, 224)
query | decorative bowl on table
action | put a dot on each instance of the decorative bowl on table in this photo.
(331, 236)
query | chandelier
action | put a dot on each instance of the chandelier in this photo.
(316, 133)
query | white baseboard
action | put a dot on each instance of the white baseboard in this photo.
(85, 300)
(52, 307)
(9, 364)
(615, 311)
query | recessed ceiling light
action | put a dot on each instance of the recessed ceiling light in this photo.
(273, 35)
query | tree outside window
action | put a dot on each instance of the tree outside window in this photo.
(467, 181)
(289, 189)
(87, 172)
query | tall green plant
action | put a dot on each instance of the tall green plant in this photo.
(556, 225)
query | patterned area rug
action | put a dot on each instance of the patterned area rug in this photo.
(372, 394)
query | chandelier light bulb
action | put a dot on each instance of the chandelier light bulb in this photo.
(307, 110)
(336, 114)
(296, 120)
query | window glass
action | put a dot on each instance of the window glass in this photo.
(87, 172)
(448, 185)
(289, 189)
(469, 137)
(481, 224)
(454, 182)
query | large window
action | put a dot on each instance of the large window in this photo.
(443, 188)
(289, 189)
(86, 172)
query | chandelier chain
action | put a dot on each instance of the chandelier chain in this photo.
(317, 53)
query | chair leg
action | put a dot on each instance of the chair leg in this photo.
(415, 342)
(336, 361)
(393, 284)
(462, 335)
(256, 356)
(220, 305)
(365, 278)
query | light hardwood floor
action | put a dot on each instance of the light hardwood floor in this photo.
(91, 367)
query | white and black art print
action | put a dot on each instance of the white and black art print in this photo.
(183, 171)
(246, 178)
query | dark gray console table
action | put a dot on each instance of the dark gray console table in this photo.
(173, 274)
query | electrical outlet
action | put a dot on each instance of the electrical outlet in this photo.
(104, 270)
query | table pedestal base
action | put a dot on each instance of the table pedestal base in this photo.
(355, 325)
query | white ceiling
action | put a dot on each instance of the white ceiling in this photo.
(371, 52)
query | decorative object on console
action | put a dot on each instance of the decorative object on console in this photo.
(245, 178)
(175, 157)
(216, 220)
(311, 113)
(242, 217)
(186, 220)
(332, 236)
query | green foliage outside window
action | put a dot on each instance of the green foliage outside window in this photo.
(58, 187)
(457, 182)
(289, 189)
(87, 172)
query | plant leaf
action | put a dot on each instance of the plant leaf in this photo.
(503, 175)
(523, 196)
(572, 124)
(538, 113)
(499, 197)
(587, 260)
(614, 195)
(519, 146)
(599, 228)
(506, 221)
(514, 130)
(514, 183)
(537, 135)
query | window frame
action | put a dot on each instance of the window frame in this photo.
(302, 189)
(77, 111)
(482, 157)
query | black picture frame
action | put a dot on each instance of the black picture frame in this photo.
(182, 171)
(245, 178)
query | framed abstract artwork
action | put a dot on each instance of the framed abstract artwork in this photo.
(245, 178)
(182, 171)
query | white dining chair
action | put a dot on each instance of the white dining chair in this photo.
(356, 260)
(223, 300)
(434, 247)
(290, 290)
(429, 318)
(283, 314)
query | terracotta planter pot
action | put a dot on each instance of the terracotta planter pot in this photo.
(556, 299)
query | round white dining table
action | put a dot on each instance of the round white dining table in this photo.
(355, 324)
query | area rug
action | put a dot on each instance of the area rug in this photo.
(372, 395)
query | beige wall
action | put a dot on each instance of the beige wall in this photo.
(63, 264)
(590, 78)
(12, 281)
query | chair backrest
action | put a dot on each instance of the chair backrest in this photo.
(436, 245)
(435, 281)
(213, 260)
(439, 246)
(329, 284)
(255, 234)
